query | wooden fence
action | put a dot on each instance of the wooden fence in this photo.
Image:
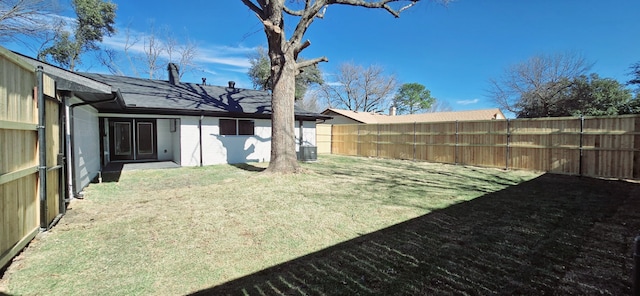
(323, 138)
(590, 146)
(30, 181)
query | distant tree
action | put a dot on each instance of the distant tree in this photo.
(310, 102)
(585, 96)
(413, 98)
(595, 96)
(26, 18)
(439, 106)
(358, 88)
(159, 48)
(635, 73)
(95, 19)
(260, 74)
(536, 84)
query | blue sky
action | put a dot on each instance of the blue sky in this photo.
(452, 50)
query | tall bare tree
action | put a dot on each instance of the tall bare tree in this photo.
(539, 81)
(283, 54)
(358, 88)
(25, 18)
(159, 47)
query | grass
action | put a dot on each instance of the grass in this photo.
(347, 226)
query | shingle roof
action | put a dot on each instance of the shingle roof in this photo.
(162, 96)
(370, 118)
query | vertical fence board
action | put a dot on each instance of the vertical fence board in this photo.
(323, 138)
(344, 139)
(396, 141)
(368, 140)
(436, 141)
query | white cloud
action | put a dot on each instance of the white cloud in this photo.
(468, 102)
(236, 57)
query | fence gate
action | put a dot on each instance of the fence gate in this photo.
(31, 174)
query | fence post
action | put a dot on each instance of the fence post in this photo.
(42, 149)
(455, 149)
(414, 140)
(635, 171)
(581, 144)
(506, 160)
(378, 141)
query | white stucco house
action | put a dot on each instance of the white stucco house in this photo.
(124, 119)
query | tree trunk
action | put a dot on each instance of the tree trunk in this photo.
(283, 144)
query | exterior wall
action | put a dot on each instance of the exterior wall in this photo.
(175, 143)
(165, 139)
(219, 149)
(86, 145)
(168, 142)
(189, 141)
(308, 134)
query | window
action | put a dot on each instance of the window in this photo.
(232, 127)
(245, 127)
(228, 127)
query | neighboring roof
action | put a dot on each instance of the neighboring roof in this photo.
(369, 118)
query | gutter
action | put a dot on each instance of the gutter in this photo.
(200, 132)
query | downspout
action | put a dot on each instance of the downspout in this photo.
(200, 132)
(69, 139)
(42, 150)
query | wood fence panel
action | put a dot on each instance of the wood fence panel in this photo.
(436, 142)
(19, 199)
(609, 146)
(17, 103)
(482, 143)
(396, 141)
(323, 138)
(550, 144)
(344, 139)
(53, 139)
(368, 140)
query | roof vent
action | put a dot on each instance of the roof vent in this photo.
(204, 81)
(232, 84)
(174, 73)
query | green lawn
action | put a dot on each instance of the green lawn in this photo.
(346, 226)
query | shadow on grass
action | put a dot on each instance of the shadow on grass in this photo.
(248, 167)
(551, 235)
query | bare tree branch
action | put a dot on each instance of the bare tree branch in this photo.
(29, 18)
(306, 63)
(259, 12)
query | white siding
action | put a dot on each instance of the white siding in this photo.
(308, 134)
(175, 142)
(165, 140)
(219, 149)
(189, 141)
(86, 145)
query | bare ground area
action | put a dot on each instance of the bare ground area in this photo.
(348, 226)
